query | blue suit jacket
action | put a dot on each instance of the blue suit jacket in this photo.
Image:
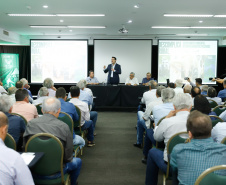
(115, 79)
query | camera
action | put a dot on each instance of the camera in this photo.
(186, 78)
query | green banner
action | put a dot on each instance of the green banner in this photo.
(9, 69)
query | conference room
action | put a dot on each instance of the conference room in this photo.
(117, 43)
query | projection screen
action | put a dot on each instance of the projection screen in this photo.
(187, 58)
(132, 55)
(65, 61)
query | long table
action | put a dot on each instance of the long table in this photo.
(117, 96)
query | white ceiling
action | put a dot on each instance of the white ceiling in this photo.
(117, 13)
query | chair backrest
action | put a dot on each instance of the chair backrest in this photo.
(39, 109)
(67, 100)
(78, 122)
(52, 161)
(15, 114)
(224, 141)
(160, 120)
(66, 118)
(10, 142)
(214, 122)
(213, 104)
(208, 177)
(178, 138)
(158, 143)
(219, 109)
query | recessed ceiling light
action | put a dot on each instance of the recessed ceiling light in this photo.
(61, 20)
(81, 15)
(193, 34)
(70, 30)
(200, 21)
(219, 15)
(187, 15)
(136, 6)
(129, 21)
(32, 15)
(45, 6)
(171, 27)
(86, 26)
(47, 26)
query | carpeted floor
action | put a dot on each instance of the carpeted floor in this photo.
(113, 160)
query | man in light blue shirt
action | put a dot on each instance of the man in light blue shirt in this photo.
(211, 94)
(13, 169)
(91, 79)
(191, 159)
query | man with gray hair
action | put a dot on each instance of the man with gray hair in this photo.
(48, 83)
(11, 93)
(16, 123)
(178, 86)
(43, 94)
(211, 95)
(132, 80)
(13, 168)
(150, 95)
(174, 122)
(143, 118)
(49, 123)
(26, 86)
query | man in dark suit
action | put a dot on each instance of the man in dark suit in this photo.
(113, 70)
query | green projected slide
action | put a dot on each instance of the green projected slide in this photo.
(9, 69)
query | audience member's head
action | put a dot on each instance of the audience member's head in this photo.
(199, 125)
(198, 81)
(171, 85)
(211, 92)
(167, 95)
(51, 106)
(43, 91)
(202, 104)
(22, 95)
(152, 84)
(48, 83)
(6, 103)
(25, 83)
(224, 83)
(179, 83)
(75, 91)
(19, 85)
(61, 93)
(131, 75)
(3, 125)
(159, 90)
(81, 84)
(12, 90)
(187, 88)
(182, 101)
(148, 75)
(195, 91)
(204, 88)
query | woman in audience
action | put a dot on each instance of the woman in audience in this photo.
(202, 104)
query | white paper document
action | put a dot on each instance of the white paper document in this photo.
(28, 157)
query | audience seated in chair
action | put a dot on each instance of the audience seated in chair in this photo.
(211, 94)
(174, 122)
(26, 86)
(22, 105)
(198, 83)
(43, 94)
(187, 89)
(86, 123)
(150, 95)
(194, 92)
(143, 118)
(49, 123)
(11, 93)
(16, 125)
(48, 83)
(191, 159)
(204, 90)
(178, 86)
(222, 93)
(19, 85)
(201, 104)
(2, 90)
(69, 108)
(13, 168)
(218, 132)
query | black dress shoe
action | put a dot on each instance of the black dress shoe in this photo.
(137, 145)
(144, 160)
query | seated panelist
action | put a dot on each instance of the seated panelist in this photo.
(147, 79)
(132, 80)
(91, 79)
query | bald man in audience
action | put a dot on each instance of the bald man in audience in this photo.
(187, 88)
(11, 93)
(191, 159)
(13, 169)
(23, 107)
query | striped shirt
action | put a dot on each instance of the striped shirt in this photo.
(193, 158)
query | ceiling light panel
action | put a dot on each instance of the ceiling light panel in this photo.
(32, 15)
(171, 27)
(37, 26)
(81, 15)
(86, 26)
(188, 15)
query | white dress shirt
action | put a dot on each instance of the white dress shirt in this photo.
(12, 96)
(219, 132)
(216, 99)
(13, 170)
(149, 96)
(170, 126)
(112, 67)
(85, 114)
(149, 108)
(162, 110)
(132, 82)
(39, 100)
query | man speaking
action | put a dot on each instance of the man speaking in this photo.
(113, 70)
